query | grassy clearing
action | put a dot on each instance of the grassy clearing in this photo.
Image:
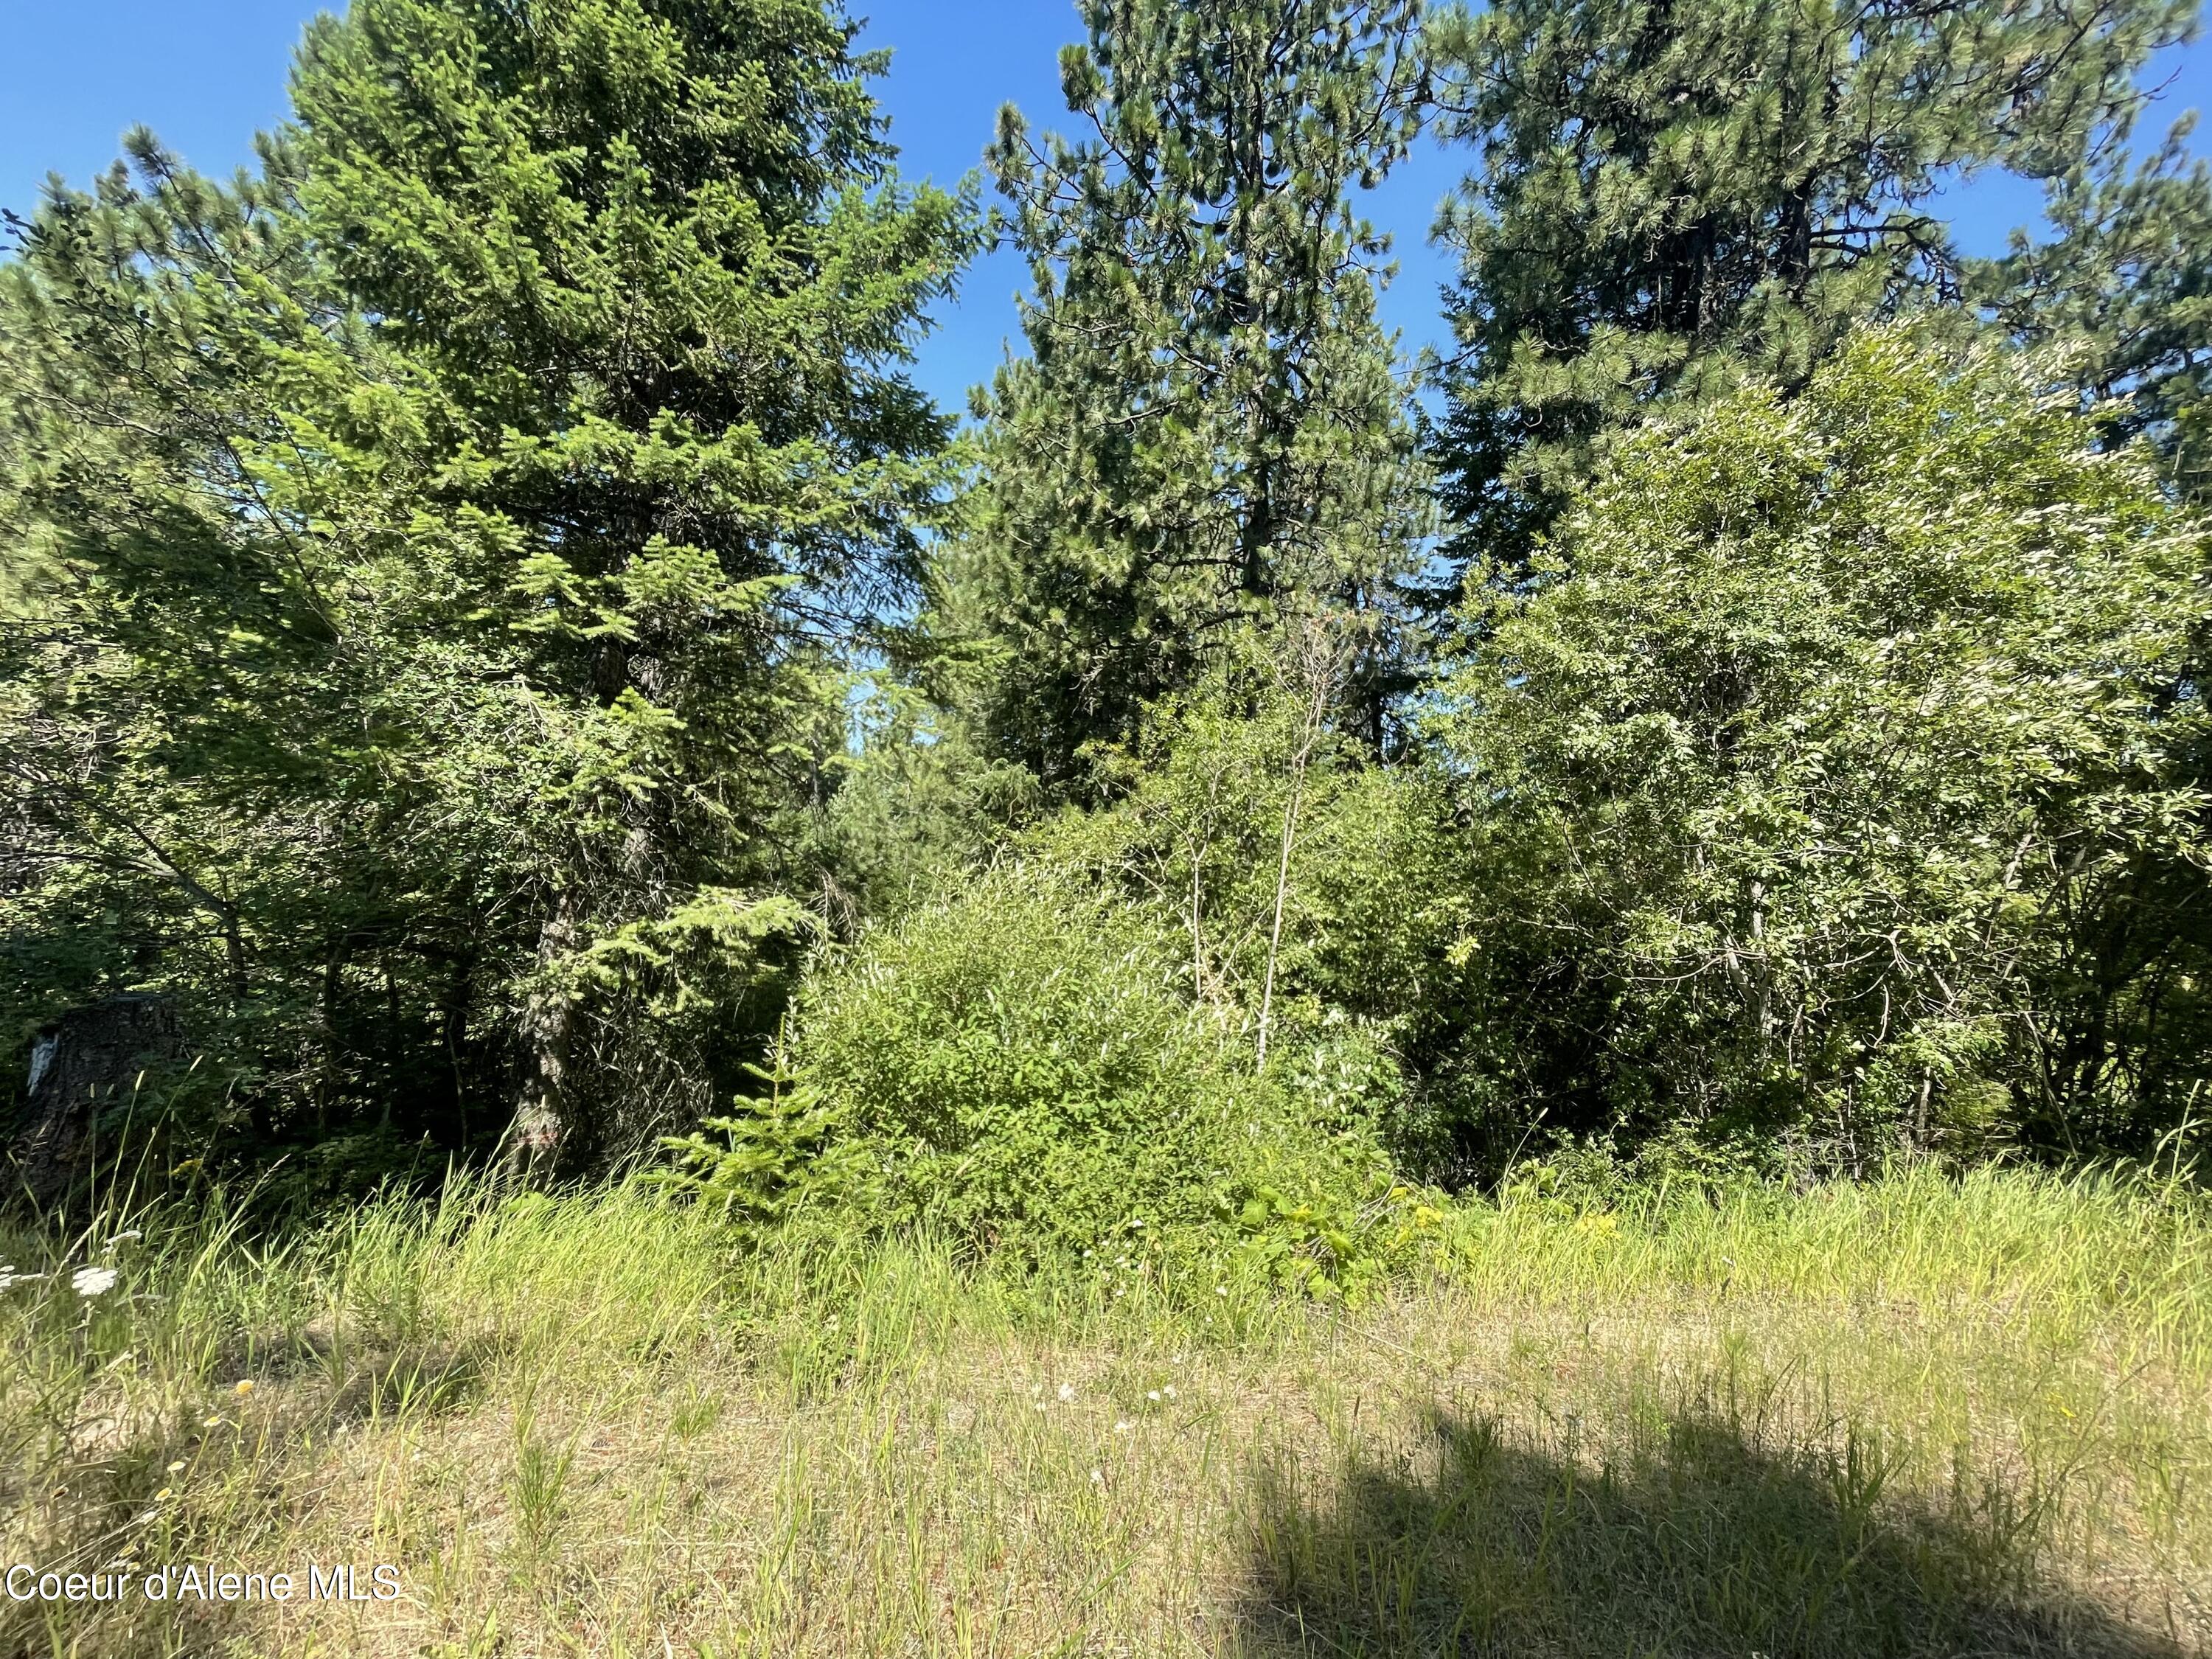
(1910, 1417)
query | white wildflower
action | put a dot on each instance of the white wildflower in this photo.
(1121, 1425)
(1098, 1477)
(1067, 1391)
(88, 1282)
(1168, 1391)
(1153, 1394)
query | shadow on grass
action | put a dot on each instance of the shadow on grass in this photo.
(1701, 1544)
(407, 1381)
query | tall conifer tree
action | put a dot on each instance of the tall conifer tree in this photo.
(529, 449)
(631, 240)
(2124, 285)
(1208, 430)
(1673, 196)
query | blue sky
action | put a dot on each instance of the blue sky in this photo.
(205, 74)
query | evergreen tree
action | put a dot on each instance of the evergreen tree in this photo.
(1208, 430)
(1673, 196)
(437, 556)
(2125, 288)
(204, 716)
(631, 241)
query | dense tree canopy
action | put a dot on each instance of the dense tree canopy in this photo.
(448, 537)
(1835, 772)
(631, 245)
(2124, 288)
(491, 633)
(1207, 432)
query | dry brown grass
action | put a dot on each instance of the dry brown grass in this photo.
(1434, 1476)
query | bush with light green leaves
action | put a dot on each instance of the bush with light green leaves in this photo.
(1015, 1067)
(1836, 777)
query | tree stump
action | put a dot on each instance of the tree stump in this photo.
(80, 1065)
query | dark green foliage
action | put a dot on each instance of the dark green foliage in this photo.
(438, 553)
(1832, 778)
(221, 793)
(1208, 433)
(1675, 197)
(633, 249)
(2125, 288)
(910, 800)
(489, 628)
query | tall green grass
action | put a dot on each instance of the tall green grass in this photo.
(1858, 1418)
(2111, 1248)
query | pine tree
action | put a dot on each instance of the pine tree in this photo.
(1207, 432)
(201, 712)
(2125, 286)
(1676, 196)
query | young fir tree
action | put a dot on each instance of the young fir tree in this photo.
(435, 552)
(1208, 431)
(1674, 197)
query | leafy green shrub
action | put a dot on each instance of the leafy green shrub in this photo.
(1833, 777)
(1014, 1067)
(1313, 894)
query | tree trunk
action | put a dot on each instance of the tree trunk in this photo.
(544, 1134)
(81, 1066)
